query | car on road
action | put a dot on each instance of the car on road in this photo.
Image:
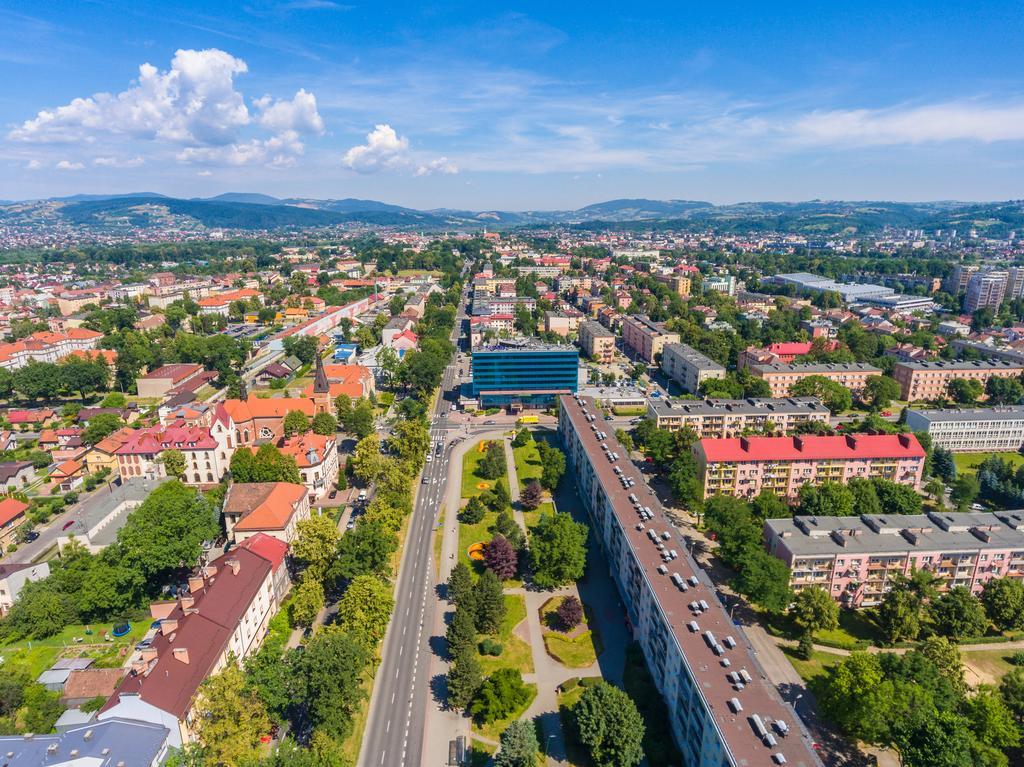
(453, 408)
(488, 423)
(607, 418)
(425, 480)
(333, 494)
(68, 524)
(31, 536)
(886, 413)
(429, 458)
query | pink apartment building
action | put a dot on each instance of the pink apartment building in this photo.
(856, 558)
(745, 466)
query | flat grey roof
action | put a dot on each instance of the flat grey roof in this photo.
(1003, 413)
(960, 364)
(136, 744)
(650, 325)
(817, 367)
(692, 356)
(597, 330)
(871, 534)
(752, 406)
(101, 504)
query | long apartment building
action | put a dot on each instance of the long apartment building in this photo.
(688, 367)
(596, 341)
(929, 379)
(855, 559)
(780, 377)
(722, 709)
(719, 418)
(973, 430)
(646, 337)
(745, 466)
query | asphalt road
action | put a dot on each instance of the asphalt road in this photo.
(401, 691)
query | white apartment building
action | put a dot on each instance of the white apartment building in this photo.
(973, 430)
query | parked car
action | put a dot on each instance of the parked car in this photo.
(68, 524)
(333, 494)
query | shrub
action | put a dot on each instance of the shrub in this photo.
(501, 695)
(569, 613)
(590, 681)
(490, 647)
(1017, 659)
(71, 498)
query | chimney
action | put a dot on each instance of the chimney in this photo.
(851, 441)
(235, 566)
(904, 440)
(744, 444)
(798, 443)
(149, 654)
(88, 735)
(169, 625)
(181, 653)
(209, 571)
(187, 600)
(195, 582)
(139, 667)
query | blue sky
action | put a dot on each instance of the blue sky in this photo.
(533, 106)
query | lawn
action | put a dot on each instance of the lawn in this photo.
(470, 479)
(987, 666)
(528, 466)
(494, 729)
(470, 534)
(819, 663)
(856, 629)
(480, 753)
(579, 651)
(37, 655)
(516, 653)
(629, 410)
(530, 518)
(969, 462)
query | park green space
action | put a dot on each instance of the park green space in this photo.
(574, 650)
(969, 462)
(818, 664)
(515, 652)
(470, 479)
(528, 465)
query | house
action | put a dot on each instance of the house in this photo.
(40, 417)
(86, 684)
(272, 508)
(275, 371)
(103, 454)
(15, 475)
(14, 576)
(221, 303)
(157, 383)
(47, 346)
(354, 380)
(223, 614)
(317, 457)
(257, 420)
(7, 440)
(12, 515)
(207, 451)
(68, 475)
(405, 341)
(396, 326)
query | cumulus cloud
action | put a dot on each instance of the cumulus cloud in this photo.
(385, 150)
(34, 165)
(118, 162)
(194, 106)
(69, 165)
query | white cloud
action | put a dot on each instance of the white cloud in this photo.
(385, 150)
(118, 162)
(34, 165)
(299, 114)
(69, 165)
(205, 173)
(277, 151)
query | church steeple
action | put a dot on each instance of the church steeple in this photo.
(321, 388)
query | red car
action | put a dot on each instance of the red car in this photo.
(68, 524)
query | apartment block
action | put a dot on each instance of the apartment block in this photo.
(688, 367)
(855, 559)
(721, 708)
(929, 380)
(646, 337)
(717, 418)
(780, 377)
(745, 466)
(985, 289)
(680, 284)
(974, 430)
(596, 341)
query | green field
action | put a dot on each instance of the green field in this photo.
(516, 653)
(470, 479)
(528, 466)
(969, 462)
(819, 663)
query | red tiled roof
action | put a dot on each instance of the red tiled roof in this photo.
(270, 548)
(10, 510)
(263, 505)
(176, 372)
(859, 446)
(156, 439)
(29, 416)
(300, 446)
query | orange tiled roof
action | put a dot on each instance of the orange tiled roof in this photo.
(256, 407)
(300, 447)
(272, 504)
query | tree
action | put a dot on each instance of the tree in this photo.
(959, 614)
(411, 440)
(168, 529)
(851, 696)
(939, 739)
(307, 602)
(834, 395)
(502, 694)
(1011, 686)
(295, 422)
(267, 464)
(365, 608)
(865, 497)
(944, 655)
(366, 549)
(523, 437)
(609, 726)
(531, 496)
(765, 580)
(324, 424)
(501, 558)
(174, 463)
(231, 718)
(1003, 600)
(965, 391)
(332, 667)
(879, 391)
(492, 465)
(899, 615)
(558, 550)
(826, 499)
(303, 347)
(965, 490)
(570, 613)
(461, 632)
(767, 505)
(360, 422)
(489, 602)
(37, 379)
(464, 679)
(367, 462)
(83, 375)
(101, 426)
(40, 709)
(473, 512)
(343, 408)
(518, 745)
(460, 583)
(943, 464)
(990, 719)
(315, 545)
(1003, 391)
(552, 462)
(896, 498)
(813, 610)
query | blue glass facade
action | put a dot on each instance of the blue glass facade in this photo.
(529, 376)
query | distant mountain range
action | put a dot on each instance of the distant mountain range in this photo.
(244, 210)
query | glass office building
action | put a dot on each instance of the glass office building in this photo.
(524, 373)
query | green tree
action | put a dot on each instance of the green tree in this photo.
(361, 421)
(461, 632)
(489, 603)
(990, 719)
(366, 549)
(365, 608)
(852, 696)
(324, 424)
(493, 464)
(834, 395)
(267, 464)
(965, 490)
(307, 602)
(37, 380)
(959, 614)
(1003, 391)
(765, 580)
(411, 441)
(473, 512)
(333, 666)
(609, 726)
(519, 747)
(315, 545)
(1011, 686)
(84, 376)
(899, 615)
(501, 695)
(813, 610)
(101, 426)
(934, 739)
(295, 422)
(174, 463)
(558, 550)
(1003, 600)
(865, 497)
(523, 437)
(879, 391)
(40, 709)
(230, 718)
(826, 499)
(965, 391)
(460, 583)
(367, 462)
(552, 465)
(464, 679)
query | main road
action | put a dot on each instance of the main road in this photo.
(394, 730)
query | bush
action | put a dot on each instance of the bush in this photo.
(1017, 659)
(501, 695)
(474, 511)
(590, 681)
(570, 613)
(490, 647)
(71, 498)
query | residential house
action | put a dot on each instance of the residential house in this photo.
(14, 576)
(157, 383)
(15, 475)
(317, 457)
(207, 452)
(272, 508)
